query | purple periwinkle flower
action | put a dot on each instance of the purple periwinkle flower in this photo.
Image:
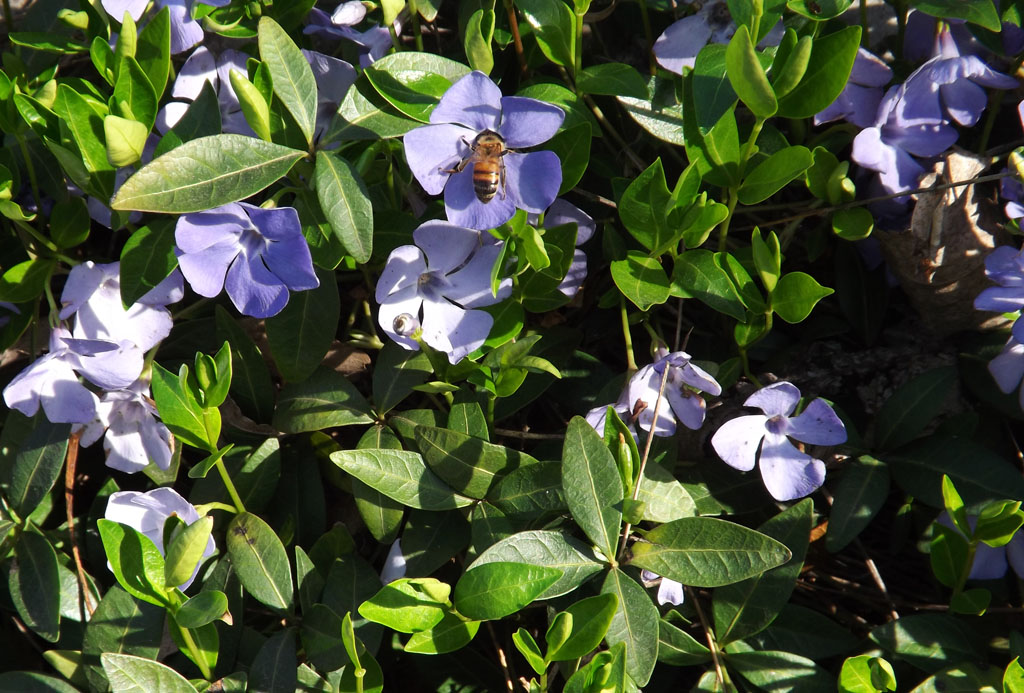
(890, 145)
(394, 564)
(473, 106)
(1012, 190)
(858, 102)
(257, 254)
(52, 381)
(788, 473)
(147, 513)
(679, 44)
(1004, 266)
(371, 44)
(561, 212)
(133, 435)
(185, 31)
(333, 79)
(439, 282)
(953, 83)
(990, 562)
(93, 295)
(669, 591)
(200, 68)
(682, 400)
(1007, 368)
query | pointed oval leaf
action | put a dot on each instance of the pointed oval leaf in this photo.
(260, 559)
(290, 73)
(593, 488)
(400, 475)
(747, 76)
(345, 202)
(575, 559)
(634, 625)
(130, 674)
(494, 590)
(34, 584)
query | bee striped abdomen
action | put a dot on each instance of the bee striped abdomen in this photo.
(488, 166)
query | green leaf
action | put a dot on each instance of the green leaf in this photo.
(707, 552)
(947, 554)
(553, 27)
(47, 42)
(135, 561)
(552, 549)
(147, 258)
(978, 473)
(408, 605)
(980, 12)
(774, 173)
(591, 618)
(186, 550)
(748, 607)
(645, 205)
(696, 274)
(659, 113)
(641, 279)
(929, 641)
(820, 11)
(366, 115)
(205, 173)
(129, 674)
(828, 70)
(134, 95)
(260, 560)
(86, 127)
(202, 119)
(469, 465)
(747, 76)
(34, 584)
(325, 400)
(635, 625)
(25, 281)
(205, 607)
(400, 475)
(572, 145)
(432, 539)
(120, 624)
(781, 672)
(254, 105)
(528, 647)
(153, 50)
(32, 682)
(450, 634)
(346, 204)
(37, 465)
(972, 602)
(678, 648)
(179, 410)
(612, 79)
(862, 490)
(477, 40)
(125, 140)
(593, 488)
(1013, 677)
(302, 333)
(853, 224)
(910, 409)
(251, 386)
(495, 590)
(290, 73)
(274, 666)
(664, 498)
(406, 81)
(713, 94)
(796, 295)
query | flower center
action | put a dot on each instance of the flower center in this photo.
(432, 284)
(718, 16)
(777, 424)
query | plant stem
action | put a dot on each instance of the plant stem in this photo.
(578, 52)
(200, 662)
(87, 603)
(627, 338)
(723, 675)
(648, 37)
(723, 233)
(517, 40)
(864, 23)
(414, 16)
(972, 548)
(226, 478)
(29, 166)
(8, 17)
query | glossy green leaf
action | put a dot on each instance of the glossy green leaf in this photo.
(37, 465)
(186, 550)
(645, 205)
(302, 333)
(324, 400)
(400, 475)
(534, 490)
(980, 12)
(635, 625)
(205, 607)
(913, 406)
(32, 682)
(433, 538)
(821, 10)
(135, 561)
(707, 552)
(450, 634)
(553, 27)
(678, 648)
(251, 386)
(147, 258)
(134, 95)
(593, 489)
(274, 666)
(929, 641)
(747, 76)
(552, 549)
(408, 605)
(396, 373)
(86, 127)
(254, 106)
(796, 295)
(491, 591)
(34, 584)
(659, 114)
(697, 275)
(260, 560)
(153, 50)
(179, 411)
(477, 40)
(860, 494)
(530, 650)
(346, 204)
(591, 618)
(366, 115)
(853, 224)
(641, 279)
(781, 671)
(205, 173)
(774, 173)
(414, 82)
(713, 94)
(827, 72)
(612, 79)
(130, 674)
(664, 498)
(290, 73)
(468, 464)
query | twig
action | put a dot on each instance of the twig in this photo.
(502, 660)
(526, 435)
(69, 503)
(877, 577)
(720, 672)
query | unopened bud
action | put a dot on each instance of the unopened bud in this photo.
(406, 325)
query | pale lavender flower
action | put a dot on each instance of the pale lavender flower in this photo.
(440, 283)
(333, 79)
(561, 212)
(93, 295)
(1007, 368)
(8, 309)
(787, 473)
(891, 144)
(669, 591)
(148, 512)
(679, 44)
(858, 101)
(1012, 190)
(990, 562)
(394, 564)
(257, 254)
(133, 435)
(52, 381)
(1004, 266)
(185, 31)
(471, 106)
(371, 44)
(200, 68)
(952, 83)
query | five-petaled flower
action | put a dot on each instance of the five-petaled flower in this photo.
(371, 44)
(133, 436)
(147, 513)
(669, 591)
(472, 106)
(440, 283)
(679, 44)
(788, 473)
(256, 254)
(185, 31)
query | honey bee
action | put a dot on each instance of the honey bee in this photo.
(486, 155)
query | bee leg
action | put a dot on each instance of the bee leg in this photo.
(501, 174)
(462, 164)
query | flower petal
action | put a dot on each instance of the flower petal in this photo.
(777, 398)
(679, 44)
(473, 101)
(404, 266)
(817, 425)
(115, 369)
(470, 287)
(1007, 368)
(455, 331)
(965, 101)
(670, 592)
(117, 8)
(394, 564)
(403, 301)
(563, 212)
(788, 473)
(185, 31)
(433, 150)
(532, 179)
(464, 208)
(736, 441)
(200, 68)
(528, 122)
(253, 289)
(446, 246)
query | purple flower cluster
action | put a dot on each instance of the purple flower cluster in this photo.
(1005, 267)
(371, 44)
(105, 347)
